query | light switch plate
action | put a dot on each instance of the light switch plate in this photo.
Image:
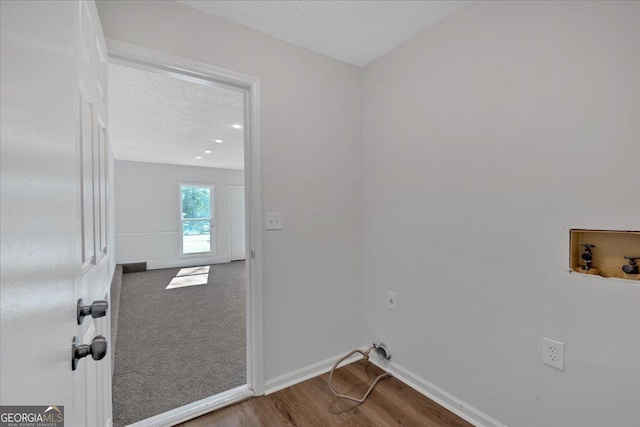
(274, 221)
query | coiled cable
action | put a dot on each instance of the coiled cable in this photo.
(382, 350)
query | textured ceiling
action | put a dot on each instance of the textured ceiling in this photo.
(356, 32)
(161, 119)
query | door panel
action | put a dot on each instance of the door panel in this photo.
(86, 150)
(103, 157)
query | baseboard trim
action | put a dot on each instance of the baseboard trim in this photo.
(438, 395)
(196, 409)
(303, 374)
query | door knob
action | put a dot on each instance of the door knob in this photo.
(97, 309)
(97, 349)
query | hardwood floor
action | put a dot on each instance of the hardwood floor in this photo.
(310, 403)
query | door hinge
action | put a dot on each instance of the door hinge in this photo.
(253, 254)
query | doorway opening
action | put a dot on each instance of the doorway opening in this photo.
(186, 168)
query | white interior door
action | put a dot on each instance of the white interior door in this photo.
(237, 219)
(55, 174)
(94, 175)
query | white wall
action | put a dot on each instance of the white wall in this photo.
(147, 216)
(310, 135)
(483, 138)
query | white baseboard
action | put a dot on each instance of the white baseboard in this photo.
(303, 374)
(435, 393)
(196, 409)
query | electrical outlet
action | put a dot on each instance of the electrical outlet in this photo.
(391, 300)
(553, 353)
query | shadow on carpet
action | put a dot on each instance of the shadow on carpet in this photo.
(178, 345)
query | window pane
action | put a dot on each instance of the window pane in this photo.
(196, 236)
(196, 202)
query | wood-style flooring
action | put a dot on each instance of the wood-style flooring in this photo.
(310, 403)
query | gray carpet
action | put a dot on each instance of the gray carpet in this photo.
(176, 346)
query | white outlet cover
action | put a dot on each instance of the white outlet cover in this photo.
(553, 353)
(391, 300)
(274, 221)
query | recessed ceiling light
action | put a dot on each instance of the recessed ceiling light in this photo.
(198, 157)
(207, 151)
(237, 126)
(219, 141)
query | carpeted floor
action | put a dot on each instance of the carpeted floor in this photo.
(179, 345)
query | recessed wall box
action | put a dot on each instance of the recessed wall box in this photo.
(610, 251)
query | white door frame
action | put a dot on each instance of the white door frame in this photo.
(186, 69)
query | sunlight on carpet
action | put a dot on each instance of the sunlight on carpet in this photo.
(192, 271)
(192, 276)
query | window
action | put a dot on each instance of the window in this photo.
(196, 220)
